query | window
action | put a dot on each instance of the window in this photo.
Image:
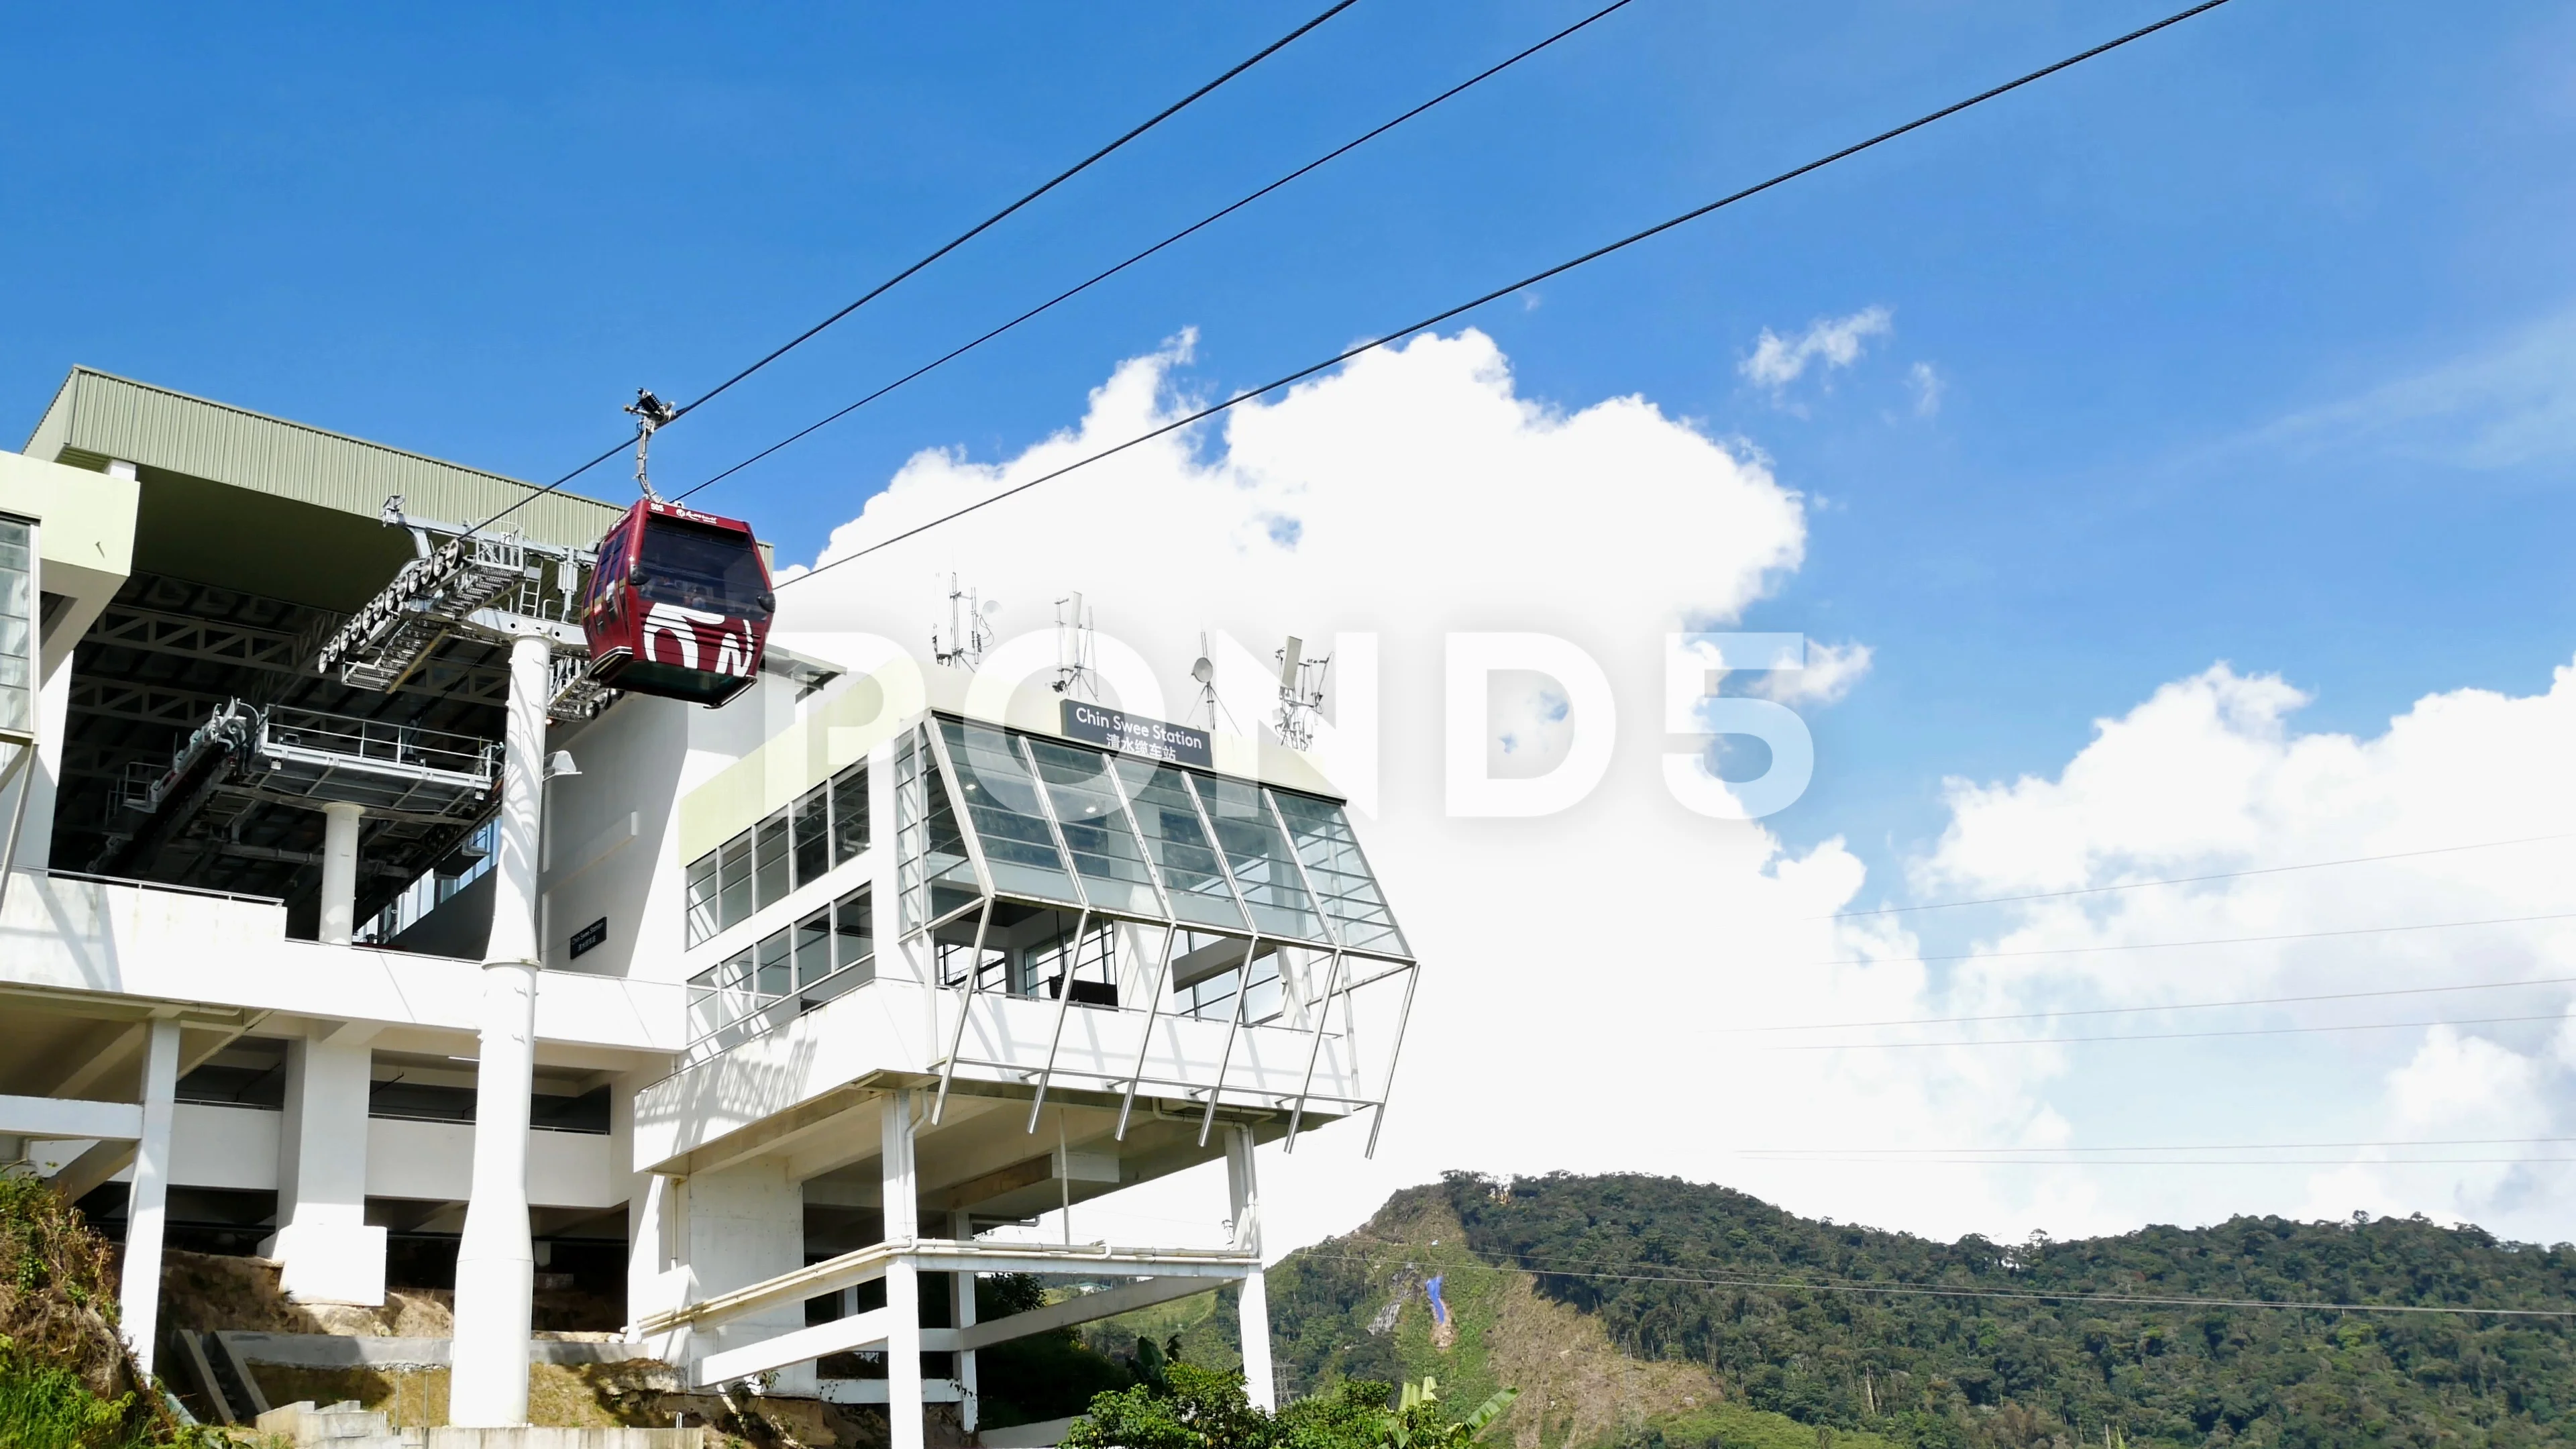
(17, 627)
(1350, 894)
(853, 934)
(1002, 804)
(1087, 809)
(1264, 871)
(849, 813)
(705, 917)
(1178, 841)
(825, 828)
(733, 880)
(812, 826)
(932, 870)
(773, 965)
(814, 947)
(697, 567)
(769, 861)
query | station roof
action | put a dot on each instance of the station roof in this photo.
(253, 537)
(283, 509)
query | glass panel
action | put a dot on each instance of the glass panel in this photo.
(1180, 845)
(814, 948)
(932, 870)
(772, 964)
(1263, 870)
(811, 825)
(769, 862)
(715, 570)
(704, 921)
(1002, 804)
(733, 880)
(853, 935)
(1095, 829)
(1349, 893)
(849, 813)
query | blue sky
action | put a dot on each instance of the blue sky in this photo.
(473, 231)
(2254, 342)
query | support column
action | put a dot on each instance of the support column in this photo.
(903, 1280)
(962, 1290)
(329, 1252)
(495, 1264)
(138, 1296)
(340, 871)
(1243, 1188)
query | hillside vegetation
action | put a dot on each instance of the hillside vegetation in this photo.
(1539, 1270)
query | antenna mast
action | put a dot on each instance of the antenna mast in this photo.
(1074, 668)
(970, 629)
(1301, 694)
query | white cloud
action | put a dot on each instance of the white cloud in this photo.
(1928, 385)
(1832, 670)
(1583, 971)
(1580, 970)
(2208, 777)
(1778, 361)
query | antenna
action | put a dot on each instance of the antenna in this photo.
(1074, 669)
(650, 414)
(1301, 694)
(970, 628)
(1203, 669)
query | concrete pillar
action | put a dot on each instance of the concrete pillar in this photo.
(138, 1297)
(340, 871)
(330, 1253)
(903, 1280)
(44, 775)
(1243, 1188)
(962, 1298)
(746, 1224)
(495, 1263)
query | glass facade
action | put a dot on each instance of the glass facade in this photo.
(17, 626)
(1071, 828)
(827, 953)
(826, 827)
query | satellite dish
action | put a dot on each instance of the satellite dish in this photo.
(1204, 670)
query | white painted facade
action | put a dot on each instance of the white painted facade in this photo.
(922, 1094)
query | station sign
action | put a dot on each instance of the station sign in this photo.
(1133, 734)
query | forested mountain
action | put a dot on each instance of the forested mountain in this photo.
(1687, 1282)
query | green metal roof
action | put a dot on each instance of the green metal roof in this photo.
(97, 416)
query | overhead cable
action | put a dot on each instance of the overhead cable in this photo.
(1203, 222)
(2177, 945)
(1934, 1291)
(2132, 885)
(2173, 1006)
(1534, 278)
(978, 229)
(1785, 1153)
(1843, 1046)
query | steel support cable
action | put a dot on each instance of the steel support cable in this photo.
(1436, 318)
(2172, 1006)
(1863, 1286)
(1785, 1154)
(2179, 945)
(2133, 885)
(978, 229)
(1192, 229)
(1880, 1046)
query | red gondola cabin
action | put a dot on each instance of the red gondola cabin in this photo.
(679, 605)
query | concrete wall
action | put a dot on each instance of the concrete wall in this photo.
(186, 947)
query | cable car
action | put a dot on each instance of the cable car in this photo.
(679, 605)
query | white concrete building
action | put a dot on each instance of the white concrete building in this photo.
(836, 984)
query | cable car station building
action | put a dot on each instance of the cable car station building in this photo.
(348, 923)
